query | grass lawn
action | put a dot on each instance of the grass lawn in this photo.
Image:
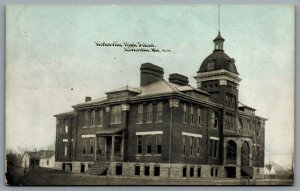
(42, 176)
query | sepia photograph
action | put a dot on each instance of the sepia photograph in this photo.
(143, 95)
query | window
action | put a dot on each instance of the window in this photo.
(216, 172)
(199, 172)
(92, 118)
(100, 117)
(86, 118)
(92, 143)
(149, 113)
(156, 171)
(192, 144)
(139, 144)
(66, 149)
(159, 112)
(212, 172)
(199, 141)
(158, 144)
(47, 163)
(147, 171)
(214, 148)
(191, 171)
(214, 120)
(137, 170)
(84, 146)
(199, 116)
(184, 145)
(66, 126)
(184, 171)
(119, 169)
(148, 144)
(115, 115)
(185, 115)
(210, 65)
(140, 113)
(192, 114)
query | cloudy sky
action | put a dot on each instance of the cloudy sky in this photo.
(53, 61)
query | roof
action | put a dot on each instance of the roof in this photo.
(64, 114)
(219, 38)
(156, 88)
(241, 105)
(160, 86)
(43, 154)
(126, 88)
(221, 61)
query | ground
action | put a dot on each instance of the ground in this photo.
(43, 176)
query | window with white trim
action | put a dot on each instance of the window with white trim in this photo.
(149, 113)
(214, 146)
(139, 144)
(65, 148)
(100, 113)
(185, 115)
(66, 126)
(199, 116)
(159, 112)
(199, 142)
(92, 118)
(158, 144)
(140, 113)
(184, 143)
(148, 144)
(214, 119)
(115, 114)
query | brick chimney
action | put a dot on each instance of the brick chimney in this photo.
(150, 73)
(87, 99)
(179, 79)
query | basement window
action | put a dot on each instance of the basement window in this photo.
(199, 172)
(184, 171)
(119, 169)
(147, 170)
(191, 171)
(156, 171)
(137, 170)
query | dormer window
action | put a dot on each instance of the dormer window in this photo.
(210, 65)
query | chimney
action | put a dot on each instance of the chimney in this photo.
(87, 99)
(179, 79)
(150, 73)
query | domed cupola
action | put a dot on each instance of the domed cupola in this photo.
(218, 59)
(218, 70)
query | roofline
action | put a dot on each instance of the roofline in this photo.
(251, 115)
(146, 97)
(64, 114)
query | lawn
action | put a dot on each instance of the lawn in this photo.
(42, 176)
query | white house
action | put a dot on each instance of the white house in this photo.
(43, 158)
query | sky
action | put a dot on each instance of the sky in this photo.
(52, 61)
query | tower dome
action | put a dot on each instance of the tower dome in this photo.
(218, 59)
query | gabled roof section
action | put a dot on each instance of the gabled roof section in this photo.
(94, 101)
(43, 154)
(158, 87)
(69, 113)
(123, 89)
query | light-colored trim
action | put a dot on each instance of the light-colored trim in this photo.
(65, 140)
(150, 133)
(87, 136)
(192, 134)
(214, 138)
